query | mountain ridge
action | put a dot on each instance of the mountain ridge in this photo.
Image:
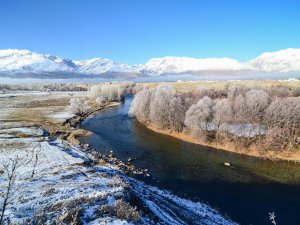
(14, 62)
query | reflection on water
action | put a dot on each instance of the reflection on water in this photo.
(247, 191)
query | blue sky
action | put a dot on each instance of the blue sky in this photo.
(133, 31)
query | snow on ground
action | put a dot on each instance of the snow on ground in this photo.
(53, 179)
(170, 209)
(31, 104)
(63, 116)
(11, 94)
(32, 131)
(56, 181)
(240, 130)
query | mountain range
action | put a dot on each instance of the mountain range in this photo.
(24, 63)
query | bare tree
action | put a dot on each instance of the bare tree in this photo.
(10, 168)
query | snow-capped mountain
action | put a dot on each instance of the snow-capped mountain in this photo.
(287, 60)
(175, 65)
(26, 63)
(99, 65)
(14, 61)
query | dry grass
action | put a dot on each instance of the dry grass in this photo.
(121, 210)
(189, 86)
(232, 147)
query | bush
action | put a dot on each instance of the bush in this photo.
(121, 210)
(296, 91)
(78, 106)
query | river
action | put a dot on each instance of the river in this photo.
(246, 192)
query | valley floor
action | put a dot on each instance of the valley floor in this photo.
(56, 181)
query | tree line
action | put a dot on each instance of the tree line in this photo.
(268, 118)
(100, 94)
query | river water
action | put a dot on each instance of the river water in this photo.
(246, 192)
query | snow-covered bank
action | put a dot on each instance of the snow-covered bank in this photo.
(170, 209)
(56, 179)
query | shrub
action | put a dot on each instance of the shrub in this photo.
(121, 210)
(78, 106)
(296, 91)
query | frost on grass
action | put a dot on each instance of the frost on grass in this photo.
(57, 184)
(166, 208)
(53, 183)
(23, 131)
(61, 117)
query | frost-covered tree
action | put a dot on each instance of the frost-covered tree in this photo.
(222, 116)
(239, 108)
(222, 110)
(100, 100)
(284, 113)
(78, 106)
(199, 115)
(256, 101)
(279, 91)
(160, 106)
(296, 91)
(108, 92)
(177, 113)
(140, 106)
(233, 91)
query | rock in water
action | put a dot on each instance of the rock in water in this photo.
(227, 164)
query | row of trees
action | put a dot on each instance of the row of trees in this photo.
(44, 87)
(243, 115)
(107, 93)
(100, 94)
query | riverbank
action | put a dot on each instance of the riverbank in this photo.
(61, 183)
(284, 155)
(64, 183)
